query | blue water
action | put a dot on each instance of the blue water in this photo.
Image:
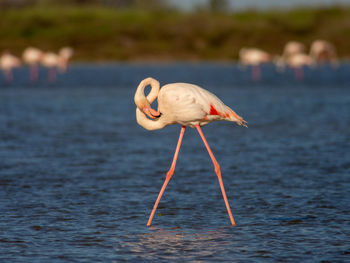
(79, 177)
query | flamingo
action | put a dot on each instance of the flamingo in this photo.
(51, 61)
(65, 55)
(7, 63)
(290, 49)
(323, 51)
(254, 57)
(297, 62)
(293, 47)
(32, 57)
(187, 105)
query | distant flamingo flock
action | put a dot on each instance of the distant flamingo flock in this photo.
(294, 56)
(34, 58)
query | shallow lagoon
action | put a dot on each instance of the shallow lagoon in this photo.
(78, 177)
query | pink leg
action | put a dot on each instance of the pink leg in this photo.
(34, 73)
(168, 175)
(218, 173)
(52, 75)
(256, 72)
(8, 75)
(299, 73)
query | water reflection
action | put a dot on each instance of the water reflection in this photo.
(178, 243)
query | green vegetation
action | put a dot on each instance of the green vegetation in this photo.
(100, 33)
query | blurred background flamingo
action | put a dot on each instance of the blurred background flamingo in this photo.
(51, 61)
(7, 63)
(65, 55)
(323, 51)
(297, 62)
(294, 56)
(291, 48)
(253, 57)
(32, 56)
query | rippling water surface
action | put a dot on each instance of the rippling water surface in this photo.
(79, 177)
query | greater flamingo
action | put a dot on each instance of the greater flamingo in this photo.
(32, 56)
(293, 47)
(297, 62)
(253, 57)
(290, 49)
(7, 63)
(323, 51)
(51, 61)
(187, 105)
(65, 54)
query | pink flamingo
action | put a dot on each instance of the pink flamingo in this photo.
(52, 62)
(65, 54)
(290, 49)
(32, 57)
(187, 105)
(323, 51)
(297, 62)
(7, 63)
(254, 57)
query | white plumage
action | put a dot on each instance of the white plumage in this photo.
(253, 56)
(183, 103)
(32, 55)
(9, 61)
(189, 104)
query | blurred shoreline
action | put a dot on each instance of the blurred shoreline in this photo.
(101, 34)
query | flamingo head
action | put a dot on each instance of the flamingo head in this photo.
(143, 104)
(151, 112)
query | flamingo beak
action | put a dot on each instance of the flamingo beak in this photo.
(151, 112)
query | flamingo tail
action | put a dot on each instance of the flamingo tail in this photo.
(232, 116)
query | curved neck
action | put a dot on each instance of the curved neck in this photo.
(140, 98)
(142, 101)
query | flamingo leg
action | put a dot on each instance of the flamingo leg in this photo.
(218, 173)
(168, 175)
(299, 73)
(52, 75)
(8, 75)
(34, 73)
(256, 72)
